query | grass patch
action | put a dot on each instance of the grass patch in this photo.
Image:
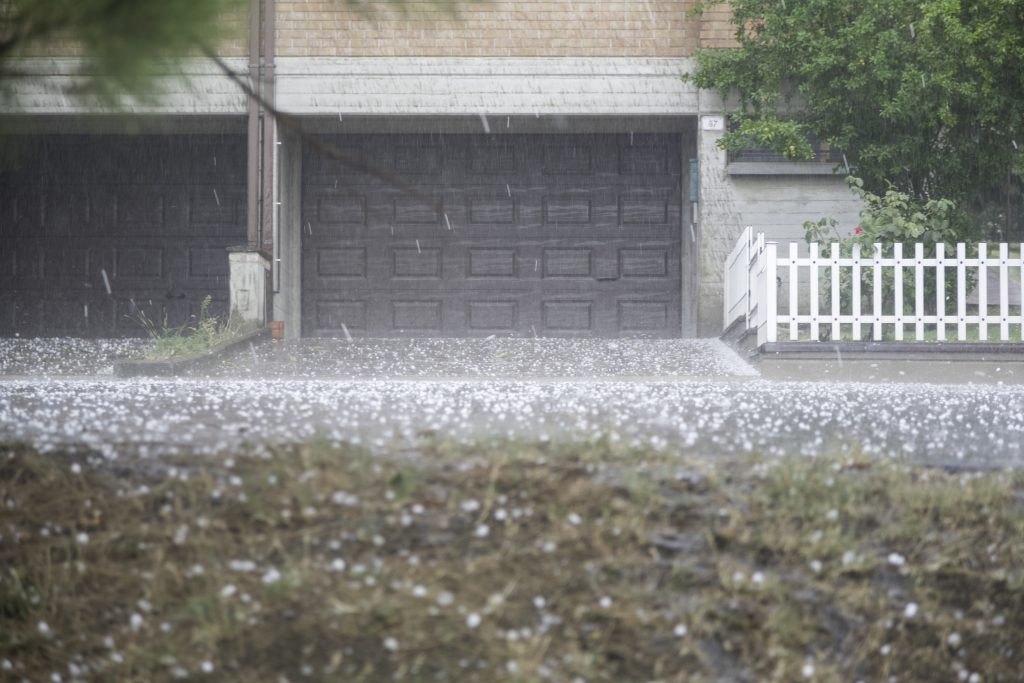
(508, 561)
(192, 337)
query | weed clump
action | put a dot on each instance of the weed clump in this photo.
(194, 336)
(507, 562)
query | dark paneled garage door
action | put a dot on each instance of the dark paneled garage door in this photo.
(94, 226)
(553, 235)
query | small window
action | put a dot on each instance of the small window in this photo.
(822, 154)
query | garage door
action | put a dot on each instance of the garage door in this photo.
(547, 235)
(95, 229)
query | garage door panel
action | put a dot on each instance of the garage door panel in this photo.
(340, 212)
(27, 259)
(217, 162)
(408, 211)
(216, 211)
(103, 224)
(377, 262)
(550, 235)
(25, 214)
(332, 317)
(643, 316)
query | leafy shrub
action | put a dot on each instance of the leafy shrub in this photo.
(890, 219)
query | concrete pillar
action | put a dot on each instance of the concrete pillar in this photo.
(247, 288)
(720, 222)
(690, 228)
(288, 256)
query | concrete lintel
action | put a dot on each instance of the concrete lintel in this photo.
(497, 124)
(486, 85)
(191, 86)
(329, 86)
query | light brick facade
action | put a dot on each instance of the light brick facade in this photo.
(715, 28)
(496, 28)
(499, 28)
(234, 41)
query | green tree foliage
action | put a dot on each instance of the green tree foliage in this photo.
(925, 95)
(123, 42)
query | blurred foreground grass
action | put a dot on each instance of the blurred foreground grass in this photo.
(508, 562)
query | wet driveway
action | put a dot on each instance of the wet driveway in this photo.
(694, 395)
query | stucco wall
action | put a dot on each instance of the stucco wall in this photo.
(777, 205)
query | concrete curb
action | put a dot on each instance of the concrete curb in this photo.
(178, 366)
(903, 351)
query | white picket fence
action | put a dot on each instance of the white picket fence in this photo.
(756, 277)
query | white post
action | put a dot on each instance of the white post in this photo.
(897, 255)
(961, 292)
(940, 292)
(756, 302)
(770, 292)
(836, 333)
(794, 301)
(726, 294)
(815, 332)
(918, 292)
(757, 290)
(876, 292)
(856, 292)
(982, 292)
(748, 239)
(1004, 293)
(247, 287)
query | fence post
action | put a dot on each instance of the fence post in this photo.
(1004, 293)
(726, 295)
(940, 292)
(813, 279)
(982, 287)
(748, 240)
(794, 300)
(856, 292)
(835, 254)
(771, 292)
(876, 293)
(961, 292)
(897, 285)
(918, 291)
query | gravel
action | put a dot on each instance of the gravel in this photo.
(45, 357)
(483, 359)
(694, 395)
(962, 426)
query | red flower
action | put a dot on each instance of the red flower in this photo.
(857, 230)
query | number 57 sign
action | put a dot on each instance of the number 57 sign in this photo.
(712, 123)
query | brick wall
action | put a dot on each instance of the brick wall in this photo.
(492, 28)
(496, 28)
(234, 41)
(715, 29)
